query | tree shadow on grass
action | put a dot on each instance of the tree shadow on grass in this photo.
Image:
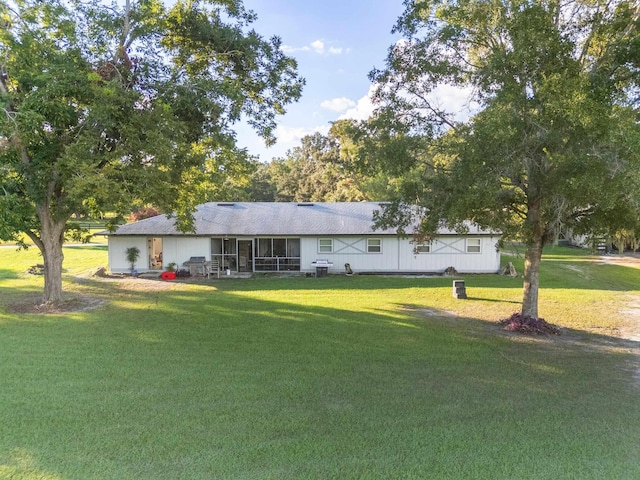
(494, 300)
(567, 274)
(622, 343)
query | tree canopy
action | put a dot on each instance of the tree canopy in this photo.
(551, 138)
(104, 105)
(336, 167)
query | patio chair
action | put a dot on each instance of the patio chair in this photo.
(214, 266)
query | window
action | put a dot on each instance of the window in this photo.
(325, 245)
(424, 247)
(374, 245)
(473, 245)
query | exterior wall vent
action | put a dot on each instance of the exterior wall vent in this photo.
(305, 204)
(226, 204)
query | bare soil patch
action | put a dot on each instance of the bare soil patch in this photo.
(76, 302)
(137, 284)
(631, 260)
(73, 303)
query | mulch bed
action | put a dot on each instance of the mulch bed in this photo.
(523, 324)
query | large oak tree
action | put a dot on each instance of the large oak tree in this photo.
(103, 105)
(552, 137)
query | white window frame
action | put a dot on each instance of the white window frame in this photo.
(424, 247)
(377, 248)
(327, 247)
(471, 247)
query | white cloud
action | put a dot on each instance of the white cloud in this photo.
(338, 104)
(454, 100)
(290, 49)
(291, 136)
(362, 109)
(317, 46)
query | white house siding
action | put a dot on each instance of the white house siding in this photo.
(174, 250)
(398, 255)
(451, 251)
(118, 254)
(180, 249)
(171, 247)
(351, 250)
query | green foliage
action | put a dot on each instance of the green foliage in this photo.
(309, 172)
(105, 107)
(132, 254)
(552, 141)
(337, 167)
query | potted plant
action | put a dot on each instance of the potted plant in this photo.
(170, 274)
(133, 253)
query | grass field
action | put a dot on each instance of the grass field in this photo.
(329, 378)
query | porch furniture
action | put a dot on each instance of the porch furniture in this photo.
(213, 266)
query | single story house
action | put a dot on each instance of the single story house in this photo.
(285, 237)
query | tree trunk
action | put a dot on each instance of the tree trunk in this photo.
(53, 257)
(532, 259)
(50, 245)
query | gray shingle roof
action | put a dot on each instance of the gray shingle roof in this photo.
(269, 219)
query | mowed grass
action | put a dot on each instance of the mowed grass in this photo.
(304, 378)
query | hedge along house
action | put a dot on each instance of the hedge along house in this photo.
(286, 237)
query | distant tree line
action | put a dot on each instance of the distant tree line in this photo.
(323, 168)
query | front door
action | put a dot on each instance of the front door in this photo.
(245, 255)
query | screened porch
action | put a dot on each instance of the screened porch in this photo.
(256, 254)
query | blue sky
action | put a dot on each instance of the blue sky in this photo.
(336, 43)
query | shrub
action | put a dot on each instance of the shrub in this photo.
(142, 213)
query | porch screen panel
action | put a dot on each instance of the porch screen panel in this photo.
(279, 247)
(216, 246)
(293, 247)
(277, 254)
(230, 246)
(263, 247)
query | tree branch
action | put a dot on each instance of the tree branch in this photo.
(629, 29)
(440, 115)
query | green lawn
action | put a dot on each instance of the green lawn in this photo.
(304, 378)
